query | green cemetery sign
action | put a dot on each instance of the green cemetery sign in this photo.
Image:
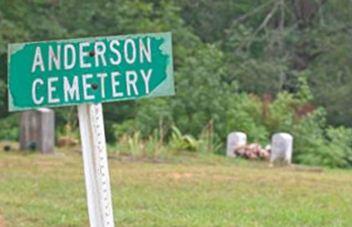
(89, 70)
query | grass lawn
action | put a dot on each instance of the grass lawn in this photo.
(40, 190)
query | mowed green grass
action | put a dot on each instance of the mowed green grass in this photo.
(38, 190)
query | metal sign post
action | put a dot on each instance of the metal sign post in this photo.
(95, 163)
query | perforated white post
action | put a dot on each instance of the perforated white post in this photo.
(95, 162)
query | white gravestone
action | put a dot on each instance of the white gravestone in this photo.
(234, 141)
(281, 148)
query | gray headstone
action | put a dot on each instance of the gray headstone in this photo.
(38, 130)
(29, 132)
(281, 148)
(235, 140)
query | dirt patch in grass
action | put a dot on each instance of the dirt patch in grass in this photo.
(179, 176)
(2, 221)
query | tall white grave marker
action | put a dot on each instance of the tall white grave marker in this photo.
(281, 148)
(234, 141)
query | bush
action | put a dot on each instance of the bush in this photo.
(178, 141)
(245, 114)
(10, 128)
(317, 144)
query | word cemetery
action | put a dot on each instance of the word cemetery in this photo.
(67, 72)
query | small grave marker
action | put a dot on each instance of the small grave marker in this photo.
(281, 148)
(235, 140)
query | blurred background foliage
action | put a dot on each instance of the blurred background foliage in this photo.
(258, 66)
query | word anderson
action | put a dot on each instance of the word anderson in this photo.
(68, 57)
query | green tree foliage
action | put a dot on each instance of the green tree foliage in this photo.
(258, 66)
(317, 144)
(268, 44)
